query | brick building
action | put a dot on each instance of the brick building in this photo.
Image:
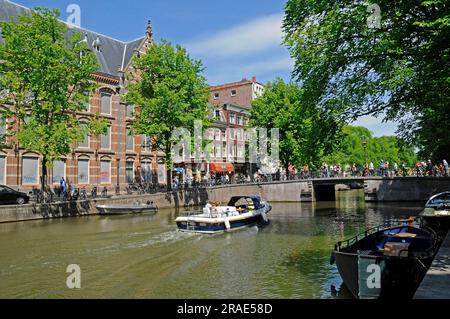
(231, 105)
(116, 158)
(110, 160)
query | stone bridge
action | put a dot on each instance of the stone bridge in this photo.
(376, 189)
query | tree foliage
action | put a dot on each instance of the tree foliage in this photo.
(399, 70)
(171, 93)
(307, 133)
(387, 148)
(46, 77)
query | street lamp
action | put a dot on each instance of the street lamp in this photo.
(365, 152)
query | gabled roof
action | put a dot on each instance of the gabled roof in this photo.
(114, 54)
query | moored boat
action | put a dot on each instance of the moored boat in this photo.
(386, 262)
(436, 214)
(124, 209)
(241, 211)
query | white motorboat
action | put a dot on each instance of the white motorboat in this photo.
(124, 209)
(436, 214)
(241, 211)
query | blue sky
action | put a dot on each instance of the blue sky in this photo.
(234, 38)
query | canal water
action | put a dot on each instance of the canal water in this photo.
(145, 257)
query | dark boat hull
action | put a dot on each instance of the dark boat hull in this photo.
(400, 277)
(440, 224)
(125, 210)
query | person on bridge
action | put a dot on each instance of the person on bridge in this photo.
(371, 169)
(429, 168)
(444, 162)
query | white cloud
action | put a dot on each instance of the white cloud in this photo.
(267, 66)
(244, 39)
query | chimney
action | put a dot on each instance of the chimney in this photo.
(254, 79)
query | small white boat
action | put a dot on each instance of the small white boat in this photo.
(127, 209)
(436, 214)
(241, 211)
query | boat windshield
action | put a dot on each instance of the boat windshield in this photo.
(247, 202)
(439, 200)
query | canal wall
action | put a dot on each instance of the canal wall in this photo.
(409, 189)
(273, 192)
(176, 199)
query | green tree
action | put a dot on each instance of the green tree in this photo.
(351, 149)
(398, 69)
(307, 133)
(45, 73)
(171, 93)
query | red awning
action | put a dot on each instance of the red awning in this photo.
(221, 167)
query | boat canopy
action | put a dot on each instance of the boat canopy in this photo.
(439, 199)
(255, 200)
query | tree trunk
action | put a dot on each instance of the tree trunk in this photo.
(44, 174)
(169, 179)
(44, 179)
(168, 155)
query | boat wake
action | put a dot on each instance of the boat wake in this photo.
(169, 237)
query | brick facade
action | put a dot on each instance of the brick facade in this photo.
(18, 164)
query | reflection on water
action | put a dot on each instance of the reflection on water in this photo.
(145, 257)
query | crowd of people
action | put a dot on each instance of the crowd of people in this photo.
(383, 168)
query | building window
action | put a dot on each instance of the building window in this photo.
(233, 92)
(161, 173)
(216, 96)
(83, 171)
(217, 135)
(210, 134)
(85, 142)
(106, 139)
(239, 120)
(59, 171)
(146, 171)
(130, 110)
(87, 105)
(2, 169)
(129, 171)
(106, 103)
(232, 151)
(241, 151)
(217, 114)
(217, 151)
(130, 140)
(30, 171)
(3, 124)
(105, 172)
(232, 134)
(232, 119)
(239, 134)
(146, 143)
